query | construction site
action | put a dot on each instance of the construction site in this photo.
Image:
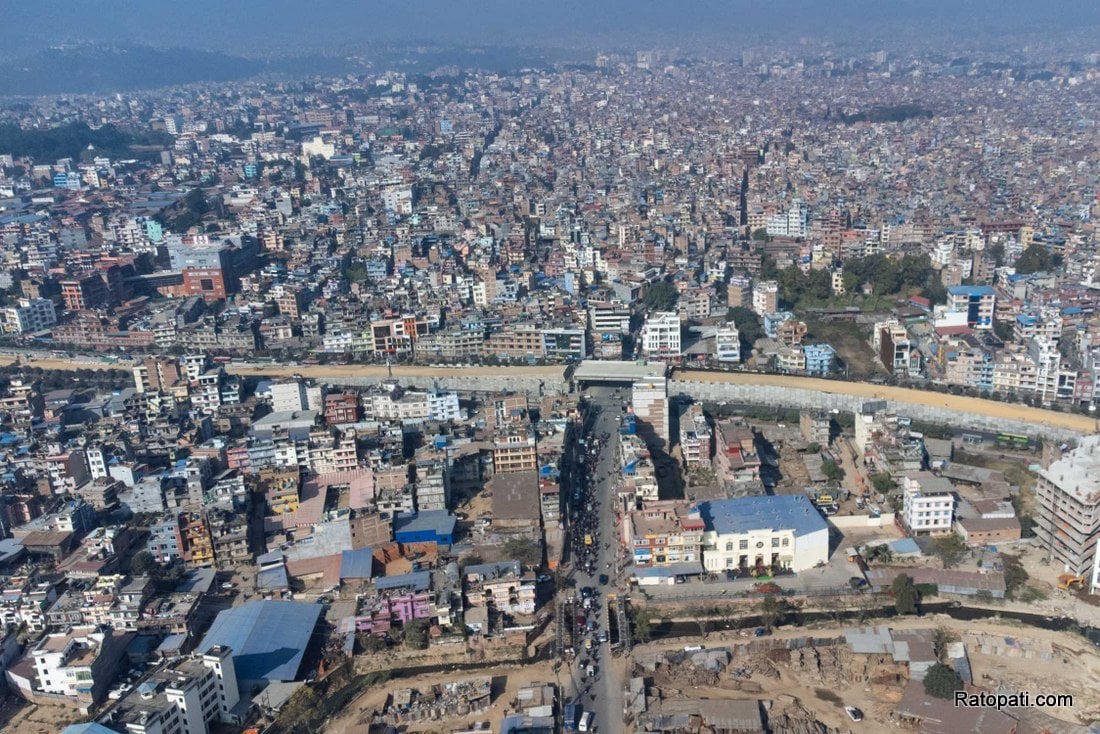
(835, 679)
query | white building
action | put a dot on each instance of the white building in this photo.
(288, 397)
(727, 343)
(29, 315)
(780, 531)
(661, 336)
(765, 297)
(929, 503)
(184, 698)
(443, 406)
(795, 222)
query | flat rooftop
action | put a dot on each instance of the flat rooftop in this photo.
(591, 370)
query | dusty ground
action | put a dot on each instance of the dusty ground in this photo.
(19, 717)
(1075, 669)
(355, 717)
(1080, 423)
(1008, 411)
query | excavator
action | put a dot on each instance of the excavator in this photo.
(1067, 581)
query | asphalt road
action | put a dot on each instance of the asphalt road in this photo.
(603, 693)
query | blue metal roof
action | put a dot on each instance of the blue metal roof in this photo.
(356, 564)
(268, 638)
(417, 580)
(970, 290)
(778, 512)
(87, 728)
(272, 579)
(441, 521)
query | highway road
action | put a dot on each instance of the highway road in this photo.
(870, 391)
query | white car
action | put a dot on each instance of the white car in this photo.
(853, 713)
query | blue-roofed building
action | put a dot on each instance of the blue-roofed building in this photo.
(356, 565)
(415, 581)
(976, 301)
(268, 639)
(781, 531)
(427, 526)
(90, 727)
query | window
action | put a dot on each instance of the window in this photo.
(729, 545)
(775, 542)
(786, 542)
(744, 545)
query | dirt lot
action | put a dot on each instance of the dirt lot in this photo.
(849, 340)
(824, 691)
(19, 717)
(507, 681)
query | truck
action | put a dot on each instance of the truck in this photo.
(586, 722)
(569, 717)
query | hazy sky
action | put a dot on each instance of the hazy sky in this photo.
(294, 25)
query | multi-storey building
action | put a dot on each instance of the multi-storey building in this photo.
(184, 697)
(777, 531)
(727, 343)
(696, 439)
(661, 336)
(735, 456)
(765, 297)
(976, 301)
(1067, 521)
(501, 587)
(663, 533)
(928, 505)
(28, 315)
(649, 401)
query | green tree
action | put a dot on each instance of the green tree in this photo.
(660, 296)
(832, 472)
(879, 553)
(905, 594)
(523, 550)
(941, 638)
(749, 328)
(1015, 574)
(1003, 330)
(813, 448)
(942, 681)
(298, 712)
(143, 564)
(950, 549)
(416, 634)
(1036, 258)
(770, 610)
(883, 483)
(643, 624)
(761, 235)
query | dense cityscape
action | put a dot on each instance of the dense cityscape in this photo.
(667, 391)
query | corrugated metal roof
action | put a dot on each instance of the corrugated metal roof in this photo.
(417, 580)
(268, 638)
(356, 564)
(773, 512)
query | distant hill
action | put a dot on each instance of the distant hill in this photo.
(108, 68)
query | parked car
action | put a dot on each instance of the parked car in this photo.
(853, 713)
(761, 632)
